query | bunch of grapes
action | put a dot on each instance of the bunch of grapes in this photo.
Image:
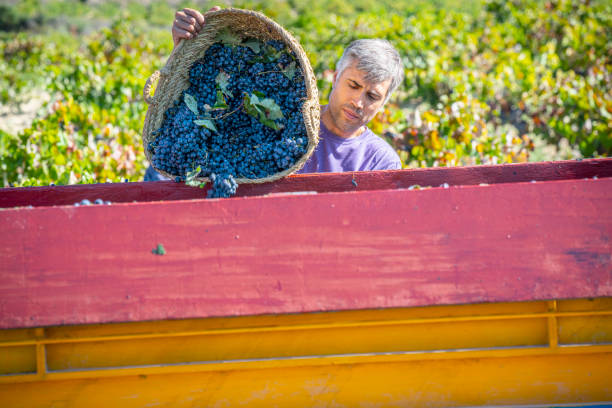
(241, 116)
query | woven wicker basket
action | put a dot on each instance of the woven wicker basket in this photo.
(174, 77)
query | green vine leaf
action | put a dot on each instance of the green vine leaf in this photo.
(289, 70)
(229, 38)
(249, 107)
(191, 103)
(220, 102)
(273, 111)
(263, 109)
(222, 82)
(190, 178)
(270, 55)
(253, 45)
(271, 124)
(207, 123)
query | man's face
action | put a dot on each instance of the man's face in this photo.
(353, 101)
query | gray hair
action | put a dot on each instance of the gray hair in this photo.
(377, 58)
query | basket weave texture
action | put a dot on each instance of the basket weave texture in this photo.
(174, 77)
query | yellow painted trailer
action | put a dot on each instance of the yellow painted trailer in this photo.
(373, 295)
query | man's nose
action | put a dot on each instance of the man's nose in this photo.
(358, 101)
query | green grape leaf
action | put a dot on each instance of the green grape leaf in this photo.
(190, 178)
(254, 45)
(249, 107)
(222, 82)
(269, 55)
(207, 123)
(220, 103)
(191, 103)
(227, 37)
(191, 175)
(263, 109)
(289, 70)
(273, 111)
(271, 124)
(272, 54)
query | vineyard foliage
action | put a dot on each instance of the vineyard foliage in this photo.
(488, 83)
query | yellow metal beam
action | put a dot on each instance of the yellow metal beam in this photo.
(311, 361)
(551, 316)
(553, 335)
(41, 355)
(534, 352)
(519, 380)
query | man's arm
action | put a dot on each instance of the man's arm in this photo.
(187, 24)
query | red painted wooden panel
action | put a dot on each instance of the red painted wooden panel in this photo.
(379, 180)
(287, 254)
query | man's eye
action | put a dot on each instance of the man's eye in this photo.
(353, 86)
(372, 97)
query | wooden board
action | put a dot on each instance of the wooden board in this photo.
(306, 253)
(330, 182)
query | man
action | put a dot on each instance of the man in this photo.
(366, 75)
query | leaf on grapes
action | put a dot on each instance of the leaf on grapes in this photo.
(195, 183)
(191, 175)
(271, 124)
(273, 111)
(254, 45)
(229, 38)
(248, 105)
(289, 70)
(207, 123)
(190, 178)
(222, 82)
(220, 103)
(270, 55)
(191, 103)
(265, 109)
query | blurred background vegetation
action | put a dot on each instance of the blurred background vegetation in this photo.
(487, 81)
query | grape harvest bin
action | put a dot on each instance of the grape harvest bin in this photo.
(328, 290)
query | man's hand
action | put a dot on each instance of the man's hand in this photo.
(188, 23)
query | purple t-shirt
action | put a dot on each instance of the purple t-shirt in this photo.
(362, 153)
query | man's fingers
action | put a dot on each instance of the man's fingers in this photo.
(196, 15)
(180, 33)
(187, 19)
(185, 26)
(188, 23)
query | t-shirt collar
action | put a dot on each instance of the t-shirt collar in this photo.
(325, 133)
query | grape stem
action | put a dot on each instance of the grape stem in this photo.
(227, 114)
(268, 72)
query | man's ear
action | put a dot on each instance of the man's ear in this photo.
(334, 78)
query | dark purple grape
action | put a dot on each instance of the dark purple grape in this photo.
(241, 146)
